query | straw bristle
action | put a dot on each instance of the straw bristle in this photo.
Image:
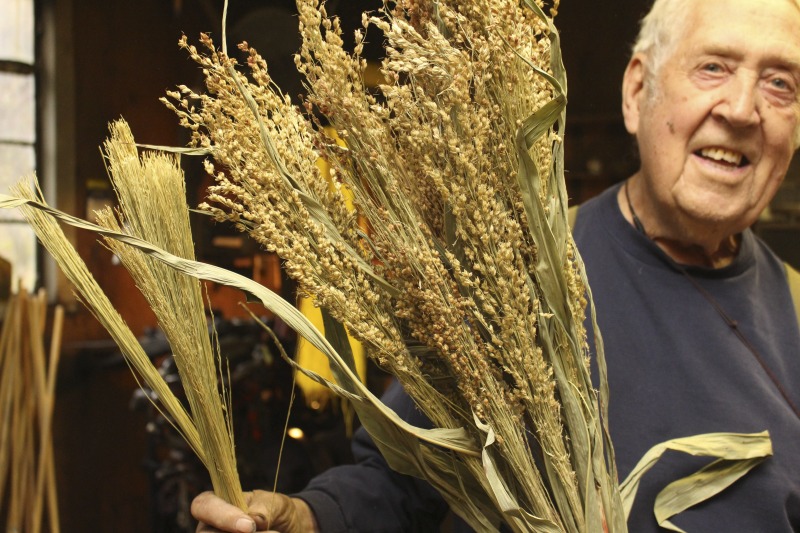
(176, 299)
(152, 200)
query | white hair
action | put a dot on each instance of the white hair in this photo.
(660, 30)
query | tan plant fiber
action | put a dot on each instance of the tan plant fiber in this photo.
(216, 439)
(27, 394)
(466, 285)
(152, 206)
(50, 234)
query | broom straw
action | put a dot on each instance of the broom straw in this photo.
(176, 299)
(27, 392)
(36, 318)
(49, 466)
(152, 198)
(45, 393)
(19, 353)
(8, 342)
(57, 244)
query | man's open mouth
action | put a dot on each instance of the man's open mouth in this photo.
(723, 157)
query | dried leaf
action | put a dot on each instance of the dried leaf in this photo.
(737, 453)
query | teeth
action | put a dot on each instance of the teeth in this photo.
(720, 154)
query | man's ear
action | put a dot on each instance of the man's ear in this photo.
(633, 92)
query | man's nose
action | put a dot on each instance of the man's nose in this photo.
(740, 102)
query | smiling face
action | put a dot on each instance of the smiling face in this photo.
(716, 125)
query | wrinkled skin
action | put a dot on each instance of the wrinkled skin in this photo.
(716, 125)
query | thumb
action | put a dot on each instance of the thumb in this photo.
(213, 512)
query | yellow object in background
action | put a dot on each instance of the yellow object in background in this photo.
(318, 396)
(307, 356)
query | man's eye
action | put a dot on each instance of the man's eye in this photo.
(712, 67)
(781, 87)
(780, 83)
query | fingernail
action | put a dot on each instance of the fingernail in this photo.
(245, 525)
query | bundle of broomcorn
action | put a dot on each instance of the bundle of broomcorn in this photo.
(466, 285)
(28, 497)
(152, 206)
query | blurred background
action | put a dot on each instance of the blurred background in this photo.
(68, 68)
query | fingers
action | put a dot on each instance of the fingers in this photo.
(266, 511)
(271, 509)
(277, 512)
(216, 515)
(242, 526)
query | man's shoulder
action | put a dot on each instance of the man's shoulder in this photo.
(793, 278)
(596, 204)
(572, 215)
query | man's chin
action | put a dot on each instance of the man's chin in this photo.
(725, 220)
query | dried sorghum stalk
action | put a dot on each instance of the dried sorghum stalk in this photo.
(441, 288)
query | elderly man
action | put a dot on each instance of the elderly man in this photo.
(700, 331)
